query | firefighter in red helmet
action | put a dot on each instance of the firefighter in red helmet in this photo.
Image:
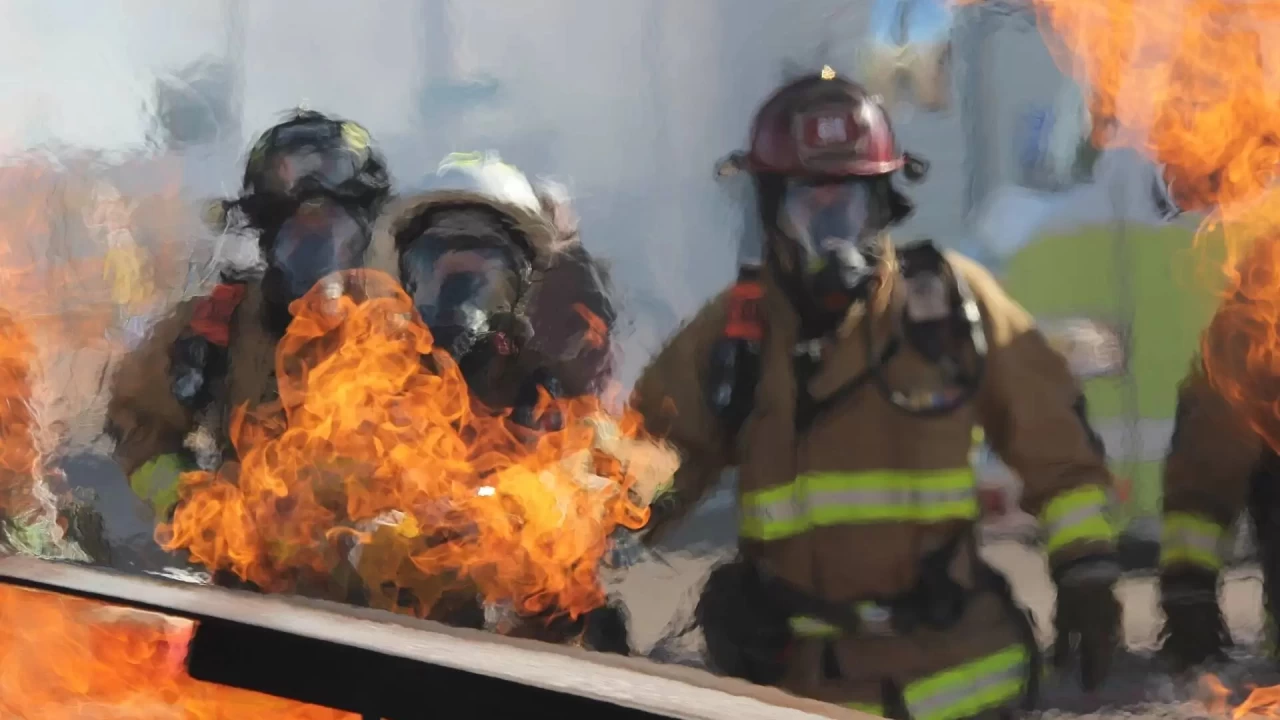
(844, 377)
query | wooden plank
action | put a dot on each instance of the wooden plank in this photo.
(633, 682)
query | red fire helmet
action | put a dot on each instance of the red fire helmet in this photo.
(823, 126)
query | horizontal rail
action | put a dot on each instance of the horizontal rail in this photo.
(388, 666)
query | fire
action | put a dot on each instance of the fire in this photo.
(597, 330)
(1192, 84)
(375, 444)
(18, 455)
(59, 297)
(1261, 702)
(66, 657)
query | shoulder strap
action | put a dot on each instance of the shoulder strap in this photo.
(211, 318)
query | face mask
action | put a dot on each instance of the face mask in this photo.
(829, 224)
(464, 292)
(318, 239)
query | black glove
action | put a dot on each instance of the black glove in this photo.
(1087, 619)
(1194, 630)
(746, 635)
(606, 629)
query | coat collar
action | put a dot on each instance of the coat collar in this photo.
(844, 354)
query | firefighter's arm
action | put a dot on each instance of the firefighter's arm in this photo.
(1212, 456)
(144, 418)
(671, 397)
(1033, 412)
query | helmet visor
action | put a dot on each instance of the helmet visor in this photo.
(827, 215)
(328, 168)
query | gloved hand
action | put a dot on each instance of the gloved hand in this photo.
(1194, 630)
(1087, 619)
(746, 636)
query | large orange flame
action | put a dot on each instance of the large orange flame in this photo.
(18, 455)
(375, 443)
(68, 658)
(60, 284)
(1193, 84)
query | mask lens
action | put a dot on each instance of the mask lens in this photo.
(454, 287)
(318, 239)
(824, 216)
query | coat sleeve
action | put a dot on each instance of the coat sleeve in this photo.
(1212, 457)
(671, 397)
(1032, 411)
(143, 416)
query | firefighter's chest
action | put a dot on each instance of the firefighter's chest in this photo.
(858, 425)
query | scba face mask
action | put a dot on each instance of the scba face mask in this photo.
(319, 238)
(831, 224)
(467, 276)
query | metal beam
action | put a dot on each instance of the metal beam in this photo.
(397, 660)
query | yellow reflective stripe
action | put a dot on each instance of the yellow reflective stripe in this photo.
(472, 159)
(870, 708)
(807, 627)
(1187, 538)
(356, 137)
(964, 691)
(811, 627)
(1077, 515)
(825, 499)
(157, 482)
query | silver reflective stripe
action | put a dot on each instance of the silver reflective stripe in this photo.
(959, 702)
(1182, 538)
(1074, 518)
(795, 509)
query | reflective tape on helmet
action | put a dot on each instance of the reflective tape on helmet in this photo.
(355, 136)
(1190, 539)
(988, 683)
(1078, 515)
(487, 174)
(827, 499)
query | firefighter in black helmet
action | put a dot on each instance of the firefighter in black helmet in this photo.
(313, 187)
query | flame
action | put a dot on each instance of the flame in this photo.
(71, 265)
(375, 444)
(67, 657)
(597, 330)
(1192, 84)
(18, 455)
(1261, 702)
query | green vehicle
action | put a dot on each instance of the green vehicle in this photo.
(1125, 303)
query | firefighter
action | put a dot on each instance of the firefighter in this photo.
(860, 374)
(312, 189)
(496, 268)
(494, 264)
(1216, 468)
